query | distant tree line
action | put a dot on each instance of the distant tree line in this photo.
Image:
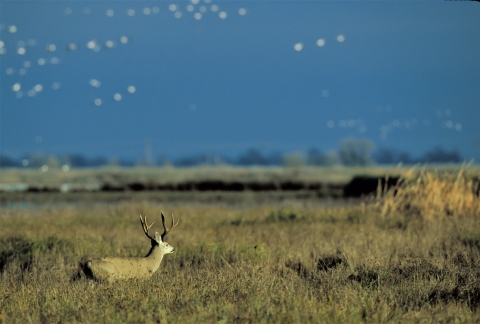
(351, 152)
(436, 155)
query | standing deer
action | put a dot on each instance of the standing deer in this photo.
(112, 268)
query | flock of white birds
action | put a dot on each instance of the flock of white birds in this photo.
(442, 118)
(195, 9)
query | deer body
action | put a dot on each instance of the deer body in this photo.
(114, 268)
(111, 268)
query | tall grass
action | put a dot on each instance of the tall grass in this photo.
(299, 262)
(433, 194)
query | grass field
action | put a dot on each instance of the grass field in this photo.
(411, 254)
(167, 174)
(117, 176)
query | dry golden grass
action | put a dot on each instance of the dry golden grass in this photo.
(290, 262)
(433, 194)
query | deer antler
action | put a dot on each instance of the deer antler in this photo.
(146, 227)
(165, 230)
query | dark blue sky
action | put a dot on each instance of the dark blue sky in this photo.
(245, 74)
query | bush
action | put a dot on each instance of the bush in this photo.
(356, 152)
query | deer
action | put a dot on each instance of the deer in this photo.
(111, 269)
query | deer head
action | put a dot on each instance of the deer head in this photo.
(159, 240)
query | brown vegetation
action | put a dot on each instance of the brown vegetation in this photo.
(433, 194)
(393, 260)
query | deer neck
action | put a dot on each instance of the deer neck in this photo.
(156, 255)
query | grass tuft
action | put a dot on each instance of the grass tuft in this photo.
(430, 194)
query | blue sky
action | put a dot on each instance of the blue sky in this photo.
(232, 75)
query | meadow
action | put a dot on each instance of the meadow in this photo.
(170, 178)
(407, 254)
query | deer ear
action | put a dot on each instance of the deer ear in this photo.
(158, 237)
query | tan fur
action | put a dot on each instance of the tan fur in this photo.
(112, 268)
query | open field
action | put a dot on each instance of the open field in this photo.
(123, 177)
(18, 185)
(170, 175)
(410, 255)
(324, 182)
